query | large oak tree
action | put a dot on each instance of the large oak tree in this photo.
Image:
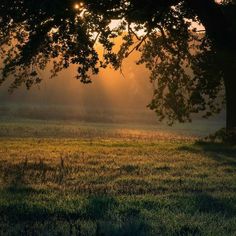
(189, 67)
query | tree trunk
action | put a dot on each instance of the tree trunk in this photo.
(220, 27)
(230, 93)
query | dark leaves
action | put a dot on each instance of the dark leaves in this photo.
(52, 35)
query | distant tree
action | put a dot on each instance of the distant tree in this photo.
(189, 69)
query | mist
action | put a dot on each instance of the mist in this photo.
(112, 96)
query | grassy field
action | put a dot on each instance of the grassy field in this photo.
(100, 179)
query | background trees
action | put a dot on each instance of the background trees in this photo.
(188, 68)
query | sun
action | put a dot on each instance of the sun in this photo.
(78, 6)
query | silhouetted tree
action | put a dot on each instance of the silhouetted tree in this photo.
(189, 69)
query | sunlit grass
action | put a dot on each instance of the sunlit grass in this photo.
(115, 183)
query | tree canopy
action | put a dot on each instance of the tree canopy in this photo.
(187, 64)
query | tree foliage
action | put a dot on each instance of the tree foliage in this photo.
(184, 65)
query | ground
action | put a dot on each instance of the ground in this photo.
(97, 179)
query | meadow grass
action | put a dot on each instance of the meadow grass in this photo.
(98, 180)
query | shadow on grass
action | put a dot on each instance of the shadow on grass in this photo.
(205, 203)
(43, 212)
(209, 204)
(106, 215)
(223, 153)
(97, 216)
